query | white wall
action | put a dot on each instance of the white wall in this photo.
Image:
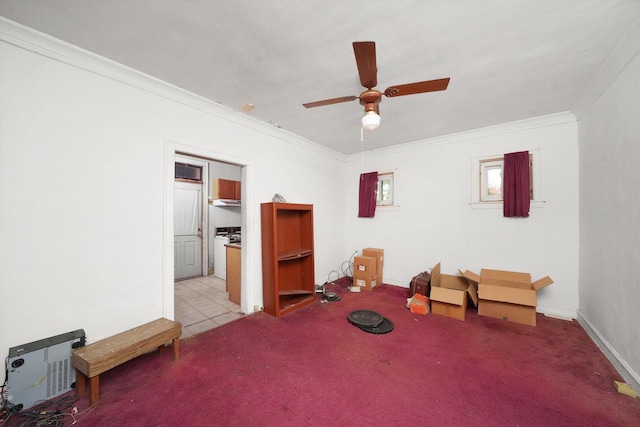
(436, 223)
(609, 133)
(86, 160)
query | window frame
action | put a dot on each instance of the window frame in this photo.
(389, 176)
(485, 166)
(477, 198)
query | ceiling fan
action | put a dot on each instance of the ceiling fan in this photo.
(365, 53)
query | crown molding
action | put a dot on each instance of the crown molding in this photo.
(475, 134)
(42, 44)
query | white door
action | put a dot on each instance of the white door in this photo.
(187, 230)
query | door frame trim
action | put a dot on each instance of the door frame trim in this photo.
(251, 296)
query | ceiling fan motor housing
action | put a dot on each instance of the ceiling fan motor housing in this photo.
(370, 96)
(370, 99)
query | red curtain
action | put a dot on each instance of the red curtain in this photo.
(368, 187)
(515, 184)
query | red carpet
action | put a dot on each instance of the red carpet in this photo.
(313, 368)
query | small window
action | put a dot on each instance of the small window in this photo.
(384, 193)
(491, 179)
(188, 172)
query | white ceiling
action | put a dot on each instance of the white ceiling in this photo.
(507, 59)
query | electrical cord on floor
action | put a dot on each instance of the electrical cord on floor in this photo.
(329, 277)
(347, 271)
(52, 413)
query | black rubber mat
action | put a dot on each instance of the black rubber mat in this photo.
(365, 318)
(383, 328)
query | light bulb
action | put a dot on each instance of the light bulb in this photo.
(370, 120)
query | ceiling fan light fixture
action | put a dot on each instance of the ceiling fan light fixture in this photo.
(370, 120)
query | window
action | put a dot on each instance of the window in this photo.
(490, 182)
(491, 179)
(188, 172)
(384, 193)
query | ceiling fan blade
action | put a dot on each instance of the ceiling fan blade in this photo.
(419, 87)
(366, 60)
(330, 101)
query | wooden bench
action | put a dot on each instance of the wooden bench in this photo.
(92, 360)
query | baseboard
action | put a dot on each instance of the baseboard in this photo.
(618, 363)
(556, 311)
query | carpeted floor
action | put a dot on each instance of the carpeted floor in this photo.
(313, 368)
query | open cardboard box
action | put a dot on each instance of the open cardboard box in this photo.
(509, 295)
(449, 294)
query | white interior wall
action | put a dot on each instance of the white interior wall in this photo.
(609, 133)
(86, 167)
(436, 223)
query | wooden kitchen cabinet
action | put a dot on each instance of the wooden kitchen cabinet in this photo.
(288, 278)
(233, 273)
(226, 189)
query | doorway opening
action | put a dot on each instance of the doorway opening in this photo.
(200, 298)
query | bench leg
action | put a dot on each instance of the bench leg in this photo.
(81, 383)
(176, 349)
(95, 390)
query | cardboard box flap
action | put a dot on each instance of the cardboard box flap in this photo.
(439, 280)
(507, 294)
(473, 279)
(470, 275)
(448, 296)
(541, 283)
(472, 291)
(453, 282)
(435, 276)
(511, 279)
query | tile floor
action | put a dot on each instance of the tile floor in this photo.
(202, 303)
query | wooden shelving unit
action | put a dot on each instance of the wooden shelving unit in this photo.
(288, 278)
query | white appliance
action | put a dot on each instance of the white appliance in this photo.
(224, 236)
(220, 257)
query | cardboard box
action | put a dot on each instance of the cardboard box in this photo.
(449, 302)
(365, 282)
(419, 304)
(449, 294)
(378, 254)
(509, 295)
(364, 272)
(364, 266)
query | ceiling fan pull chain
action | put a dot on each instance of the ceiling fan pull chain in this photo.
(362, 149)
